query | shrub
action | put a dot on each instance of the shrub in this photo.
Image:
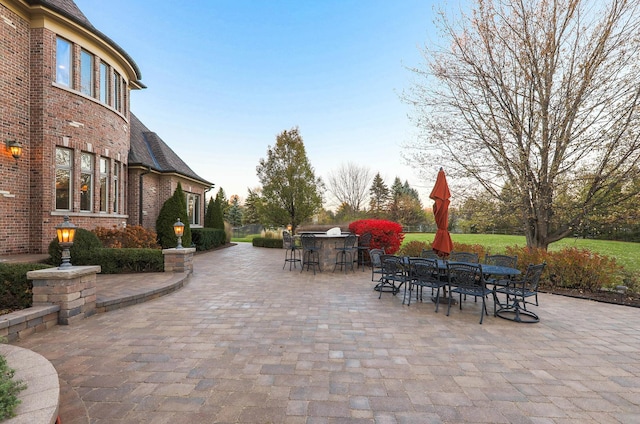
(386, 235)
(472, 248)
(571, 268)
(134, 236)
(267, 242)
(84, 243)
(414, 248)
(9, 389)
(172, 209)
(16, 292)
(208, 238)
(124, 261)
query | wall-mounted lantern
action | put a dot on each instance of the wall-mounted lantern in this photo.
(15, 148)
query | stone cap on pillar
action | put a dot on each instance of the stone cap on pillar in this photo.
(63, 274)
(183, 251)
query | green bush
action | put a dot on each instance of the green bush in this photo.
(267, 242)
(84, 243)
(16, 292)
(125, 261)
(9, 389)
(208, 238)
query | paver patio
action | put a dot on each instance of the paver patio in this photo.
(247, 342)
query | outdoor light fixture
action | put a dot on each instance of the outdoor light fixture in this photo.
(15, 148)
(66, 232)
(178, 229)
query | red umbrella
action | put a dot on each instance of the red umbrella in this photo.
(440, 194)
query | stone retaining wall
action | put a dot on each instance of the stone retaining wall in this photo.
(19, 324)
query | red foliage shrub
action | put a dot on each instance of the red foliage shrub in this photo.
(571, 268)
(386, 235)
(134, 236)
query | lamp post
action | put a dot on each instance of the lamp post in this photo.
(66, 232)
(178, 229)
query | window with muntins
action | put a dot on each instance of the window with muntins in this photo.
(86, 73)
(116, 186)
(64, 68)
(64, 166)
(104, 82)
(193, 208)
(86, 182)
(117, 92)
(104, 184)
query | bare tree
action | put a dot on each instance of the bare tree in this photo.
(540, 95)
(349, 184)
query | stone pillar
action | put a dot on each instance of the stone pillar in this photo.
(179, 260)
(73, 289)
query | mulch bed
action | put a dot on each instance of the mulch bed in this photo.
(627, 299)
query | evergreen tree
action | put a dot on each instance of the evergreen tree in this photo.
(379, 196)
(208, 215)
(252, 207)
(218, 219)
(234, 215)
(222, 200)
(173, 208)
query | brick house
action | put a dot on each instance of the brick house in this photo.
(64, 98)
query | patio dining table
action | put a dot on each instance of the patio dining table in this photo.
(487, 270)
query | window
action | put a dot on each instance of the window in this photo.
(64, 165)
(104, 82)
(86, 73)
(116, 182)
(193, 208)
(86, 181)
(117, 95)
(104, 184)
(63, 62)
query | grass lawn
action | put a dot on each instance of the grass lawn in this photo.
(626, 254)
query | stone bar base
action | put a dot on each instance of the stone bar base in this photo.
(73, 289)
(179, 260)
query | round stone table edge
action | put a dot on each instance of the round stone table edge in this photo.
(40, 401)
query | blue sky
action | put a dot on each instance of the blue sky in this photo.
(225, 77)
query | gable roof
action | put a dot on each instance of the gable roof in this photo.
(70, 10)
(148, 150)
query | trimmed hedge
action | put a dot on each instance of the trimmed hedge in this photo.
(267, 242)
(125, 261)
(15, 290)
(208, 238)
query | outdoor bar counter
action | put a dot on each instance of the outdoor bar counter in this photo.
(328, 250)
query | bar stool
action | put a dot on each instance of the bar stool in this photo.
(291, 255)
(344, 254)
(310, 252)
(364, 244)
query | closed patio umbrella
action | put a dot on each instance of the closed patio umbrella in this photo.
(440, 194)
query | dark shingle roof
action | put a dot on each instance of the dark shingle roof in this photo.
(148, 150)
(70, 10)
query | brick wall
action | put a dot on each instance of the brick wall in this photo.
(157, 188)
(14, 125)
(71, 120)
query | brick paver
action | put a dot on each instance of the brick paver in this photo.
(247, 342)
